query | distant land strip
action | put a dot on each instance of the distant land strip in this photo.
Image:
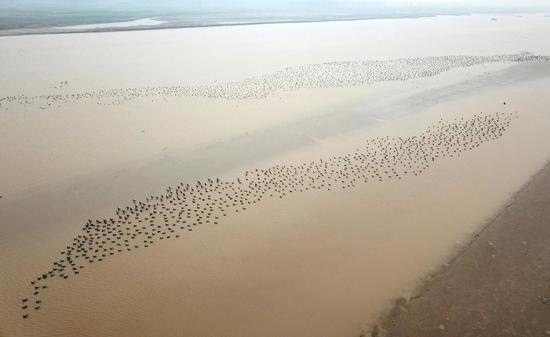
(55, 29)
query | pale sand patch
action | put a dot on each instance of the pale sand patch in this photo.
(132, 23)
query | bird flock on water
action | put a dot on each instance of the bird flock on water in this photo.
(323, 75)
(185, 207)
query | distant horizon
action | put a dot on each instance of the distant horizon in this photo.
(38, 16)
(208, 6)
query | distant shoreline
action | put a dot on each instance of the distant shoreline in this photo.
(181, 25)
(194, 20)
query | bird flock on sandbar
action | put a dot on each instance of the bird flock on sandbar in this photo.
(323, 75)
(186, 206)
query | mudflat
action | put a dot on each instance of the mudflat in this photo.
(499, 285)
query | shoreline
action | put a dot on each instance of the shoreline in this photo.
(471, 310)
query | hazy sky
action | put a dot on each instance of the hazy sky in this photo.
(275, 4)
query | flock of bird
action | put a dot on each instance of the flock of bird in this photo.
(181, 208)
(323, 75)
(184, 207)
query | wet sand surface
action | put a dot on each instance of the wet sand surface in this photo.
(497, 286)
(347, 195)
